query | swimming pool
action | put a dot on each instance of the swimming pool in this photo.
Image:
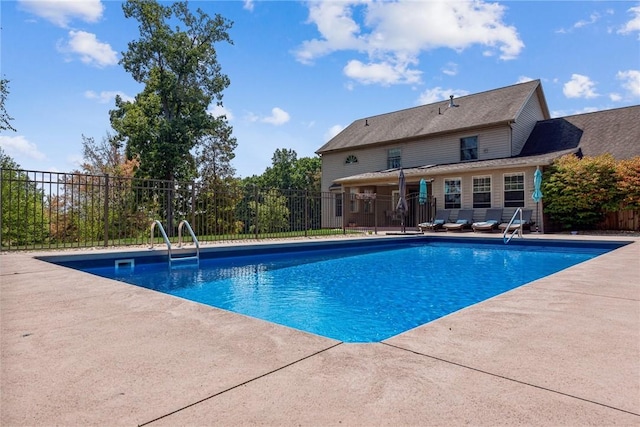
(361, 291)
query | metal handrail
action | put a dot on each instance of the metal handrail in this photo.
(183, 223)
(516, 230)
(164, 235)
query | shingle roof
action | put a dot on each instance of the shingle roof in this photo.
(414, 174)
(614, 131)
(478, 110)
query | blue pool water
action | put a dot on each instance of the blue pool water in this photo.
(360, 293)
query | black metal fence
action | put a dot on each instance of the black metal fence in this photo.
(50, 210)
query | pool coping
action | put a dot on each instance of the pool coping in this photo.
(564, 349)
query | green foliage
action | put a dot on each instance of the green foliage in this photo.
(271, 213)
(289, 172)
(629, 183)
(176, 60)
(5, 118)
(23, 206)
(579, 192)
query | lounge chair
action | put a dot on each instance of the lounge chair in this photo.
(464, 221)
(492, 218)
(442, 217)
(525, 224)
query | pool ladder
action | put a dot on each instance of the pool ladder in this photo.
(177, 257)
(517, 230)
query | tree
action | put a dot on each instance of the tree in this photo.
(23, 206)
(5, 118)
(579, 192)
(280, 173)
(289, 172)
(215, 155)
(270, 212)
(178, 66)
(106, 157)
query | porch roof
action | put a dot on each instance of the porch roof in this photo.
(414, 174)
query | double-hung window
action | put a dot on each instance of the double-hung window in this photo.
(452, 193)
(514, 190)
(469, 148)
(394, 159)
(481, 191)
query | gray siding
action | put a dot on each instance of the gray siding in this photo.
(525, 121)
(492, 143)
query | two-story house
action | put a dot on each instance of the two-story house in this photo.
(477, 151)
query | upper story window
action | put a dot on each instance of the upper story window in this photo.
(514, 190)
(481, 191)
(452, 193)
(394, 159)
(351, 159)
(469, 148)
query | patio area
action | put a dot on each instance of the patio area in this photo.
(77, 349)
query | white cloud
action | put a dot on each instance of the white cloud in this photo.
(60, 13)
(579, 87)
(524, 79)
(90, 50)
(393, 34)
(333, 131)
(248, 5)
(634, 23)
(20, 146)
(593, 18)
(615, 97)
(384, 73)
(450, 69)
(76, 160)
(105, 96)
(438, 94)
(278, 117)
(219, 110)
(630, 81)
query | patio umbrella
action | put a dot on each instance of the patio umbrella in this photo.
(537, 193)
(402, 200)
(422, 196)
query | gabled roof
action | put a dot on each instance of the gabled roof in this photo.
(614, 131)
(490, 108)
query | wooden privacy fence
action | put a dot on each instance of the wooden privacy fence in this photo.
(628, 220)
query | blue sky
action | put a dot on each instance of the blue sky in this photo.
(302, 71)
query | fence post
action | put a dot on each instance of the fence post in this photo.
(344, 213)
(106, 209)
(193, 204)
(306, 213)
(255, 219)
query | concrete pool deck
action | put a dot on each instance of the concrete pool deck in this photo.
(77, 349)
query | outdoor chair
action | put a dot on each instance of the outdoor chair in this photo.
(525, 224)
(442, 217)
(464, 221)
(492, 218)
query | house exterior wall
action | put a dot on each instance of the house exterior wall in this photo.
(525, 122)
(492, 143)
(497, 191)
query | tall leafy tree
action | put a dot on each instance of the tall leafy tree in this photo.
(280, 173)
(5, 118)
(175, 59)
